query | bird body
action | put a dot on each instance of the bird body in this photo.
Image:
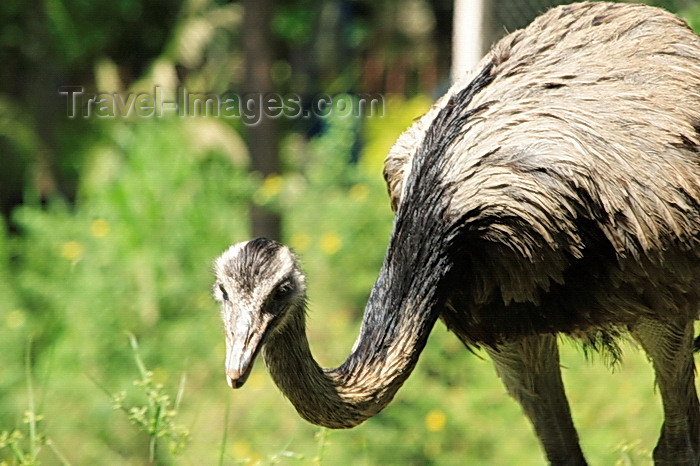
(556, 189)
(577, 176)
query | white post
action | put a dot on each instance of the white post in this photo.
(467, 36)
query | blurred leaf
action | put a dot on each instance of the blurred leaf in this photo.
(294, 23)
(382, 132)
(692, 16)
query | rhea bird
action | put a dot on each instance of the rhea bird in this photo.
(554, 190)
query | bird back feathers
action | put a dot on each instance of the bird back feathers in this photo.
(568, 173)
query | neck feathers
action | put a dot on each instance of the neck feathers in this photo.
(385, 354)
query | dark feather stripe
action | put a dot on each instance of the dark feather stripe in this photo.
(402, 307)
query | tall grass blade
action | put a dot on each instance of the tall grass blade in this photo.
(224, 435)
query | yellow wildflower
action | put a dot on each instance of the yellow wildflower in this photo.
(435, 420)
(72, 250)
(242, 451)
(271, 186)
(99, 228)
(330, 243)
(14, 319)
(359, 192)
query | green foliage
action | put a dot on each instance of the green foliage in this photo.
(24, 444)
(337, 210)
(136, 223)
(292, 21)
(132, 255)
(81, 30)
(692, 16)
(156, 416)
(339, 218)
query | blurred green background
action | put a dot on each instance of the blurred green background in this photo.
(111, 349)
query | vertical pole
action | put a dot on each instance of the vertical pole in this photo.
(467, 36)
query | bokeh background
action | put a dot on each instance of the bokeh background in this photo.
(111, 349)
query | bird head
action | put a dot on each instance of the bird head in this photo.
(259, 284)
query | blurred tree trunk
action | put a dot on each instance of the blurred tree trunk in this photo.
(263, 140)
(39, 83)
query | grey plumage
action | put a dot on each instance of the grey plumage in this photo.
(554, 190)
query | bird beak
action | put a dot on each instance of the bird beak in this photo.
(243, 343)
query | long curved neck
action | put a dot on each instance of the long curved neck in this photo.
(395, 328)
(404, 303)
(400, 313)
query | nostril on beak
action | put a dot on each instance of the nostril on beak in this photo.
(237, 383)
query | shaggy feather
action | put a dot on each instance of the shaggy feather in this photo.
(577, 174)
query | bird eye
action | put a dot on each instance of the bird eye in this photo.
(224, 294)
(284, 289)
